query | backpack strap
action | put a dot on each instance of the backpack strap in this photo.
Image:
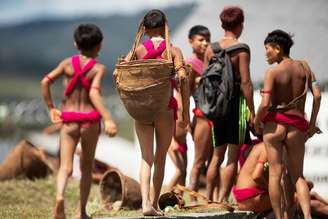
(238, 47)
(217, 48)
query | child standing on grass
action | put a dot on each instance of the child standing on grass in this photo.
(162, 127)
(199, 39)
(81, 111)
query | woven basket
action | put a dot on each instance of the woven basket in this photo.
(145, 85)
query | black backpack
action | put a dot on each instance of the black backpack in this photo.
(217, 84)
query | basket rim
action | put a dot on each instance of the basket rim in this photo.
(105, 175)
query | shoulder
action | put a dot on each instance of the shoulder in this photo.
(140, 47)
(243, 49)
(175, 50)
(272, 70)
(244, 46)
(66, 61)
(140, 50)
(271, 73)
(146, 43)
(100, 68)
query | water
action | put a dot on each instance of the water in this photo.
(6, 145)
(9, 140)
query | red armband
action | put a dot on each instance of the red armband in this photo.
(268, 92)
(49, 78)
(96, 88)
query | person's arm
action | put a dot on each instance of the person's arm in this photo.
(46, 82)
(315, 195)
(192, 79)
(266, 100)
(258, 172)
(180, 120)
(246, 84)
(96, 99)
(208, 55)
(315, 89)
(179, 66)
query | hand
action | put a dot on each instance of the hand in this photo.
(182, 124)
(185, 119)
(313, 130)
(251, 120)
(258, 125)
(174, 147)
(181, 121)
(110, 128)
(182, 76)
(197, 81)
(55, 115)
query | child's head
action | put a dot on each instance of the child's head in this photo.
(87, 37)
(232, 17)
(154, 21)
(199, 37)
(281, 39)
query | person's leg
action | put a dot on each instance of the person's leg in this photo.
(173, 153)
(181, 154)
(202, 140)
(228, 173)
(288, 190)
(213, 170)
(89, 139)
(180, 161)
(164, 127)
(295, 146)
(145, 135)
(273, 136)
(220, 181)
(259, 203)
(69, 137)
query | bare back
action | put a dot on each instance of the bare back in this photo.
(245, 177)
(78, 100)
(288, 82)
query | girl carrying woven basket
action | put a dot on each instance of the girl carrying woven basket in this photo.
(145, 81)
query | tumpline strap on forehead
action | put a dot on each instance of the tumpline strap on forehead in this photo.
(79, 75)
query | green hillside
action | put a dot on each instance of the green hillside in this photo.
(31, 49)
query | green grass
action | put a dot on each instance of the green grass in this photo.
(22, 198)
(19, 87)
(35, 199)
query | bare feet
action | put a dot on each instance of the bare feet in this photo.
(59, 212)
(158, 210)
(83, 216)
(270, 215)
(151, 211)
